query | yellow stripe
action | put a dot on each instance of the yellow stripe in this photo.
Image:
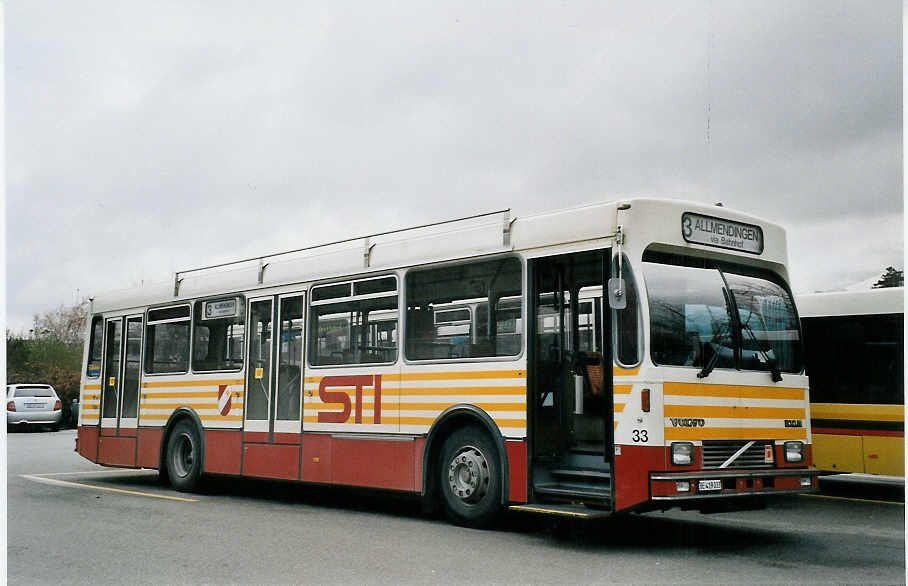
(622, 389)
(178, 396)
(96, 387)
(748, 433)
(159, 417)
(619, 407)
(235, 405)
(190, 383)
(733, 412)
(464, 391)
(516, 407)
(90, 407)
(858, 412)
(431, 391)
(459, 375)
(91, 397)
(618, 371)
(731, 391)
(427, 421)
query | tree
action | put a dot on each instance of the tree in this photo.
(892, 277)
(52, 354)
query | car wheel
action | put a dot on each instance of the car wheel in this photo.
(184, 456)
(470, 478)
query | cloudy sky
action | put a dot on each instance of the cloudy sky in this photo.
(147, 137)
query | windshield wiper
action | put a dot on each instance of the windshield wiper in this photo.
(714, 359)
(770, 361)
(710, 364)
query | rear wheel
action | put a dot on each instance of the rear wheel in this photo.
(184, 456)
(470, 478)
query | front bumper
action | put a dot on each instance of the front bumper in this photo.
(664, 486)
(35, 417)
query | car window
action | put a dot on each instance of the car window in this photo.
(34, 392)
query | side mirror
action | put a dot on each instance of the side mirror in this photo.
(617, 293)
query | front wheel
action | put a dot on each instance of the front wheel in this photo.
(470, 478)
(184, 457)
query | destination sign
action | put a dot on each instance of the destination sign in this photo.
(221, 308)
(710, 231)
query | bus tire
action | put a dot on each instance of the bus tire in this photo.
(469, 476)
(184, 456)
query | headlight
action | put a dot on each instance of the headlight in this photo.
(682, 453)
(794, 451)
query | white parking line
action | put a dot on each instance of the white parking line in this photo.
(106, 471)
(56, 482)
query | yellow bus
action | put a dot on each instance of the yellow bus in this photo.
(855, 360)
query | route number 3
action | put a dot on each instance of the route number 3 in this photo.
(639, 435)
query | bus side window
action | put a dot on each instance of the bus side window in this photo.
(627, 321)
(218, 333)
(167, 340)
(93, 369)
(354, 322)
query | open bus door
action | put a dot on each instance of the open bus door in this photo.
(272, 424)
(571, 389)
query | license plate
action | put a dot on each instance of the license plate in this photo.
(34, 404)
(709, 485)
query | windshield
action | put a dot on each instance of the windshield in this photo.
(692, 324)
(34, 392)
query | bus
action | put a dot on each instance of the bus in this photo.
(621, 356)
(854, 353)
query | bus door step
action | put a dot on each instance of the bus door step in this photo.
(577, 484)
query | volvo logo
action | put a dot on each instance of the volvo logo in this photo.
(687, 422)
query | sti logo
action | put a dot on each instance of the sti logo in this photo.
(343, 399)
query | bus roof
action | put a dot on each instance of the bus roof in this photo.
(644, 221)
(869, 302)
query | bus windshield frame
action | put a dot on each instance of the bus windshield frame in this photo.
(706, 314)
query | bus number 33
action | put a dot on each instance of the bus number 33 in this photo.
(639, 436)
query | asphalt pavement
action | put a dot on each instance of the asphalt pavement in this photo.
(71, 521)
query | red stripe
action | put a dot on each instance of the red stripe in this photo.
(844, 431)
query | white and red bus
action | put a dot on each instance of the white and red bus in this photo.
(475, 362)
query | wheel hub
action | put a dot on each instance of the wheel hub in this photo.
(182, 459)
(468, 475)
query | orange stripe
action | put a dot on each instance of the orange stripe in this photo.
(748, 433)
(177, 396)
(427, 421)
(96, 387)
(191, 383)
(622, 389)
(733, 412)
(463, 391)
(196, 405)
(619, 407)
(619, 371)
(516, 407)
(731, 391)
(459, 375)
(159, 417)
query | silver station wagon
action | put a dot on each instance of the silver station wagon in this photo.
(32, 404)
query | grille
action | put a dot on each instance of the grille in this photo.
(715, 453)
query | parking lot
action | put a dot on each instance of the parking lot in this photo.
(72, 521)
